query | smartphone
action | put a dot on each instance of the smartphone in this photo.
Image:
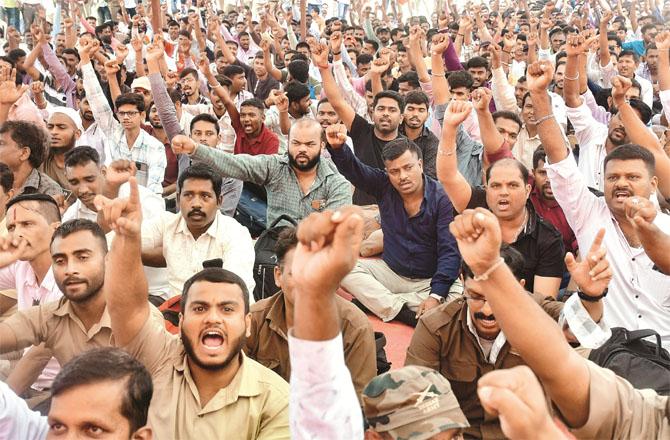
(142, 174)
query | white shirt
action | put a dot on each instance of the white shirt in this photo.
(591, 136)
(225, 239)
(639, 295)
(152, 206)
(525, 146)
(17, 421)
(322, 401)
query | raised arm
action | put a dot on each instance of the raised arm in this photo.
(576, 46)
(441, 94)
(99, 105)
(315, 343)
(112, 68)
(164, 105)
(539, 76)
(344, 110)
(663, 45)
(491, 137)
(479, 238)
(267, 60)
(457, 188)
(415, 54)
(604, 55)
(640, 134)
(126, 289)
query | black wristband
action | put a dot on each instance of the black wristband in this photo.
(337, 53)
(588, 298)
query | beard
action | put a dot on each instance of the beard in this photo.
(93, 287)
(311, 163)
(235, 349)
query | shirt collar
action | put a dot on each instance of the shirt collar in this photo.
(498, 343)
(182, 227)
(276, 316)
(65, 309)
(48, 283)
(33, 181)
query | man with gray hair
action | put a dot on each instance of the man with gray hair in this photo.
(298, 182)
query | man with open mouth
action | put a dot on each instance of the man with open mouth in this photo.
(205, 386)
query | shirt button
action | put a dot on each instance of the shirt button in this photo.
(633, 258)
(639, 316)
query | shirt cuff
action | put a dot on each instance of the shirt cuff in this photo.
(315, 361)
(589, 333)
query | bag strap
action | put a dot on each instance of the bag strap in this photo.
(286, 217)
(635, 335)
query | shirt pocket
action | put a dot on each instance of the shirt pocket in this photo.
(463, 379)
(657, 285)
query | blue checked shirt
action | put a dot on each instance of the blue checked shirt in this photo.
(146, 149)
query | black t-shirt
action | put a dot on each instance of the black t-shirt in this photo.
(540, 243)
(368, 149)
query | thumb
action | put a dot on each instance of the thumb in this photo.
(502, 401)
(349, 235)
(570, 262)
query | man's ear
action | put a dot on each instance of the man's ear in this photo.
(522, 282)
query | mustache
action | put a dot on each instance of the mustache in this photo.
(75, 280)
(480, 315)
(195, 211)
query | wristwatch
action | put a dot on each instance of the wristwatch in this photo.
(583, 296)
(439, 298)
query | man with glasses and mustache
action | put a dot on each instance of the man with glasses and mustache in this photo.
(463, 341)
(124, 138)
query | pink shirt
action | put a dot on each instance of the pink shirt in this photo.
(20, 276)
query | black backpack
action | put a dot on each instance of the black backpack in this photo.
(642, 363)
(266, 259)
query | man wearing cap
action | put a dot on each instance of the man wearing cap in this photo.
(413, 403)
(463, 340)
(64, 127)
(142, 87)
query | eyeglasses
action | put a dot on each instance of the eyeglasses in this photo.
(475, 298)
(128, 114)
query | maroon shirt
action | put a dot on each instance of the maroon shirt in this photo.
(551, 211)
(265, 143)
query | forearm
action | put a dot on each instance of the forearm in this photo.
(549, 131)
(153, 257)
(571, 83)
(446, 165)
(503, 92)
(4, 113)
(663, 70)
(376, 80)
(441, 93)
(114, 89)
(284, 122)
(491, 138)
(164, 105)
(139, 65)
(29, 368)
(569, 386)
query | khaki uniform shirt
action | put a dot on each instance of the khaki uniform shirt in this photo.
(268, 343)
(253, 406)
(442, 341)
(56, 324)
(618, 411)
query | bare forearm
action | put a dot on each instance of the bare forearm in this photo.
(491, 137)
(571, 83)
(28, 369)
(549, 131)
(317, 319)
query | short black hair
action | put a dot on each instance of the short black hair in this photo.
(201, 171)
(48, 207)
(110, 364)
(521, 167)
(303, 44)
(26, 134)
(390, 94)
(101, 27)
(187, 34)
(460, 78)
(417, 97)
(133, 99)
(81, 156)
(363, 58)
(504, 114)
(299, 69)
(513, 259)
(286, 240)
(539, 155)
(6, 178)
(215, 275)
(648, 26)
(373, 43)
(410, 77)
(477, 62)
(612, 36)
(642, 108)
(253, 102)
(80, 224)
(173, 23)
(629, 53)
(207, 118)
(295, 91)
(233, 70)
(632, 152)
(555, 31)
(189, 71)
(71, 51)
(397, 147)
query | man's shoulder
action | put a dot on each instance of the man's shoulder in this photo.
(443, 315)
(260, 309)
(267, 380)
(230, 227)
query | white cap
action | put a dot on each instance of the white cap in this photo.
(70, 113)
